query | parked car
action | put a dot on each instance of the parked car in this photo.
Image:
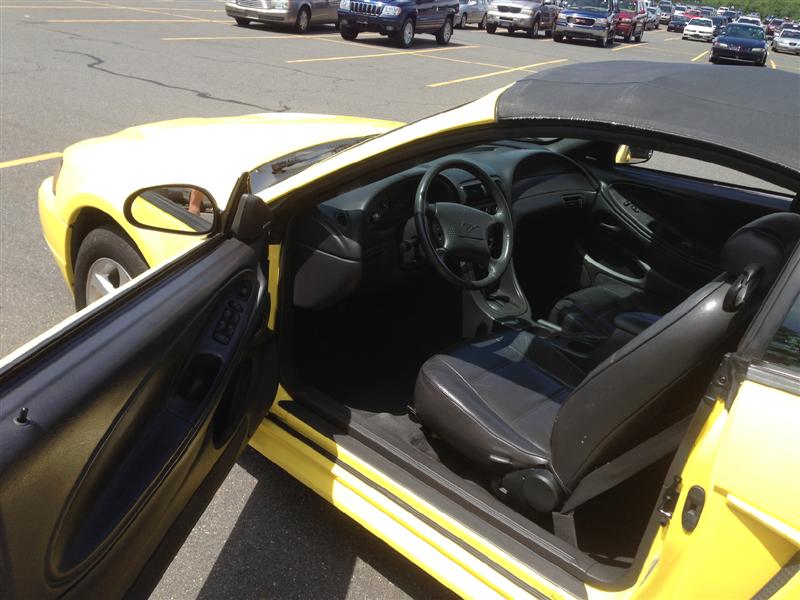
(788, 40)
(720, 23)
(653, 18)
(722, 10)
(773, 27)
(740, 42)
(750, 21)
(496, 453)
(666, 10)
(471, 12)
(677, 23)
(631, 21)
(594, 20)
(699, 29)
(530, 16)
(299, 14)
(397, 19)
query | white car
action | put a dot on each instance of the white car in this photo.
(699, 29)
(750, 21)
(721, 10)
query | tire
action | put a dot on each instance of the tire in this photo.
(108, 254)
(627, 39)
(348, 33)
(405, 37)
(763, 62)
(548, 33)
(241, 22)
(712, 59)
(303, 21)
(491, 28)
(638, 38)
(482, 24)
(512, 30)
(462, 23)
(445, 33)
(558, 37)
(533, 32)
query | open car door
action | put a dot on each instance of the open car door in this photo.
(116, 430)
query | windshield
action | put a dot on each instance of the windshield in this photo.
(279, 169)
(701, 22)
(628, 5)
(588, 4)
(743, 31)
(790, 33)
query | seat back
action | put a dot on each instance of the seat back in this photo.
(661, 373)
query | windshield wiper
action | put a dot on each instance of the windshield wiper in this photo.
(282, 165)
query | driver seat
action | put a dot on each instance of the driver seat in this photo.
(513, 403)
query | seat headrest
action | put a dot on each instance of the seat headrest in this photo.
(766, 242)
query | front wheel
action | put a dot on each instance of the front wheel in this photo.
(241, 22)
(445, 33)
(639, 37)
(107, 259)
(533, 32)
(482, 24)
(303, 20)
(558, 37)
(712, 59)
(405, 37)
(491, 28)
(348, 33)
(462, 22)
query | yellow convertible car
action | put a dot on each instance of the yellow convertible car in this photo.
(512, 340)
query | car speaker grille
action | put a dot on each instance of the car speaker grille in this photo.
(509, 9)
(251, 3)
(366, 8)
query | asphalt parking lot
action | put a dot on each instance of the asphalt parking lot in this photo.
(74, 69)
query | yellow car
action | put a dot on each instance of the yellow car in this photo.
(518, 341)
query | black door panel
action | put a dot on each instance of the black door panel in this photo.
(664, 232)
(129, 412)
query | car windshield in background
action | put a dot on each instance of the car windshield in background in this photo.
(701, 22)
(627, 5)
(790, 33)
(588, 4)
(272, 172)
(745, 31)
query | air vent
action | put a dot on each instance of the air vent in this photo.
(574, 201)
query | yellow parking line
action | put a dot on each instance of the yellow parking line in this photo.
(281, 36)
(629, 46)
(29, 159)
(147, 11)
(772, 64)
(699, 56)
(388, 53)
(109, 7)
(495, 73)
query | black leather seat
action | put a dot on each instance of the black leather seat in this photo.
(513, 401)
(595, 310)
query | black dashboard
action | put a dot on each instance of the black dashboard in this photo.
(366, 238)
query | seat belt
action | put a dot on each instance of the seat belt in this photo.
(615, 472)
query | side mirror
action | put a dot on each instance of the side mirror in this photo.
(633, 155)
(180, 209)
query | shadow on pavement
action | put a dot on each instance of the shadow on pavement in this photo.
(290, 543)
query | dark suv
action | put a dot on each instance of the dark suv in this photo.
(400, 20)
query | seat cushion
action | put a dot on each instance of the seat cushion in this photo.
(592, 310)
(495, 400)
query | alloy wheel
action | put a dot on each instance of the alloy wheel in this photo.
(105, 275)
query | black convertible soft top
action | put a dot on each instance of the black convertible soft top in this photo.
(749, 110)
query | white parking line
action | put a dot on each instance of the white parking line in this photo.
(495, 73)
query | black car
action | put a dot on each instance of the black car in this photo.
(677, 23)
(720, 23)
(740, 42)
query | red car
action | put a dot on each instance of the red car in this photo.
(692, 14)
(632, 20)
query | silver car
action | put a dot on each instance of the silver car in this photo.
(788, 40)
(299, 14)
(471, 11)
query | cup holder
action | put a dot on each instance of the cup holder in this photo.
(580, 346)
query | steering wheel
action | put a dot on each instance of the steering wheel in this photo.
(463, 232)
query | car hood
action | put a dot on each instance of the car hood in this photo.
(743, 42)
(588, 11)
(706, 28)
(626, 14)
(209, 152)
(519, 3)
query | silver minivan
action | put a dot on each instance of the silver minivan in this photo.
(299, 14)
